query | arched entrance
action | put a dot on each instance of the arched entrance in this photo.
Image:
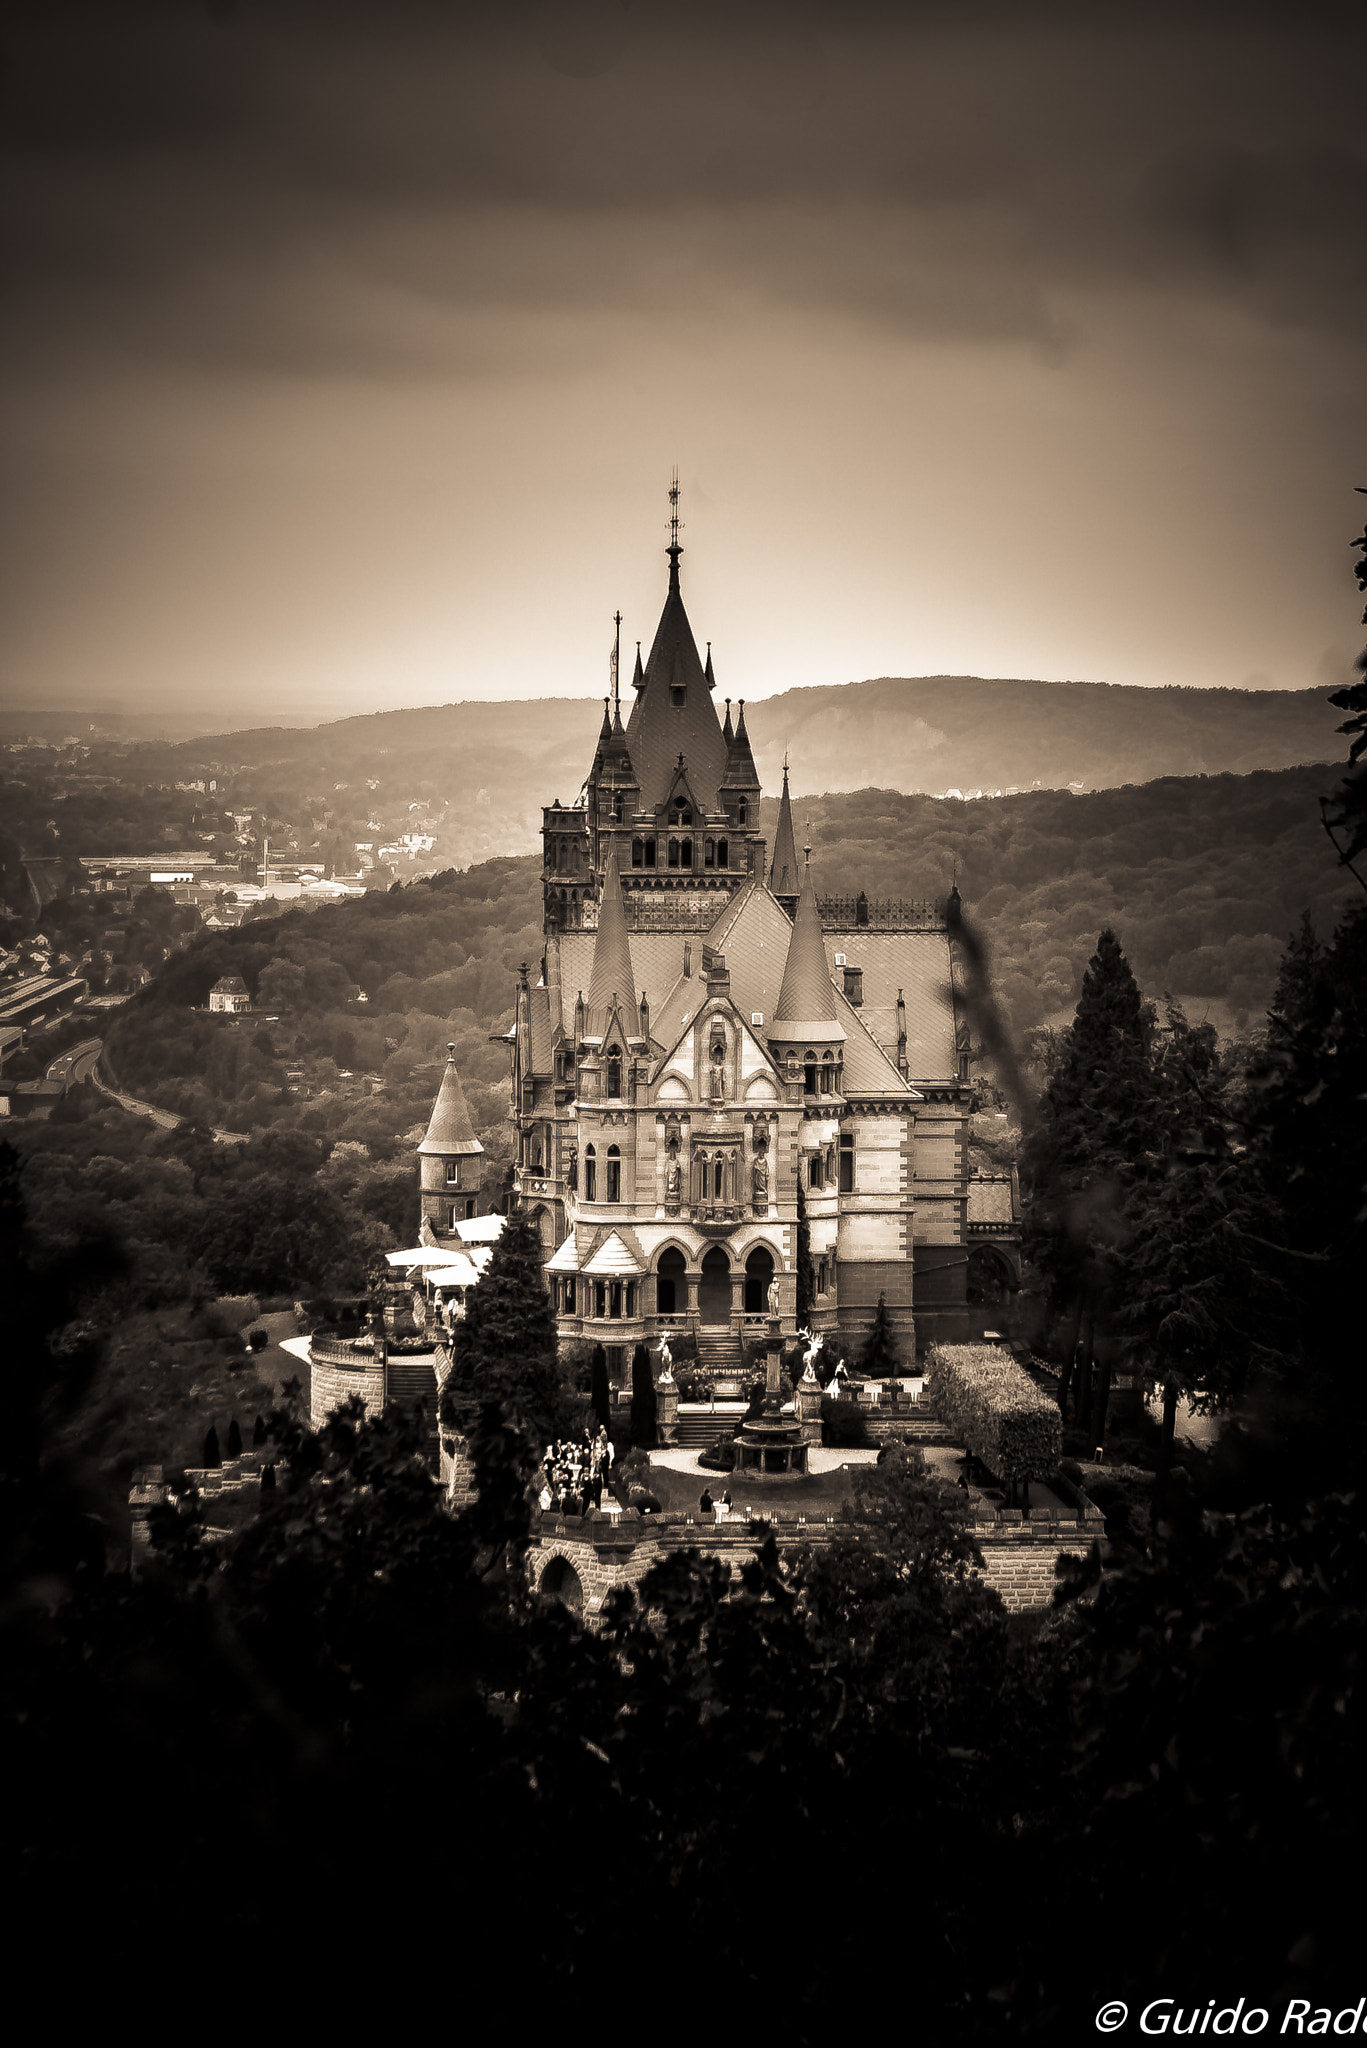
(560, 1581)
(714, 1289)
(671, 1289)
(759, 1271)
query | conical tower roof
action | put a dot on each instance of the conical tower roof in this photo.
(806, 1001)
(741, 772)
(450, 1130)
(785, 876)
(673, 713)
(612, 973)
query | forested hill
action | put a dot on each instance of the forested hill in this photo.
(922, 734)
(1203, 879)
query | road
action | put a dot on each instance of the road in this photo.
(81, 1063)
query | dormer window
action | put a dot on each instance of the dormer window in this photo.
(614, 1075)
(741, 812)
(676, 698)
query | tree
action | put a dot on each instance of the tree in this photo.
(806, 1271)
(212, 1456)
(1096, 1122)
(1346, 811)
(505, 1390)
(234, 1439)
(258, 1432)
(643, 1402)
(878, 1359)
(600, 1394)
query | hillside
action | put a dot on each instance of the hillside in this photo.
(498, 763)
(1203, 878)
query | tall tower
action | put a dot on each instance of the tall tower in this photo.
(451, 1159)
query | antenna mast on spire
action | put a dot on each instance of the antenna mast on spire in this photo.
(674, 521)
(616, 661)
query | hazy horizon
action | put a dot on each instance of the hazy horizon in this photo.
(347, 355)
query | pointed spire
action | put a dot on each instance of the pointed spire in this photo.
(741, 772)
(673, 708)
(612, 973)
(726, 731)
(638, 680)
(807, 997)
(707, 675)
(450, 1129)
(784, 873)
(605, 732)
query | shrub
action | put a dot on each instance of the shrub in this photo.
(842, 1425)
(720, 1456)
(982, 1395)
(643, 1404)
(258, 1339)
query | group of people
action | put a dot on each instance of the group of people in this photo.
(575, 1472)
(721, 1508)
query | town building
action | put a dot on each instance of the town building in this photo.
(230, 995)
(710, 1042)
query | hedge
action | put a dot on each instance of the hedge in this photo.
(984, 1398)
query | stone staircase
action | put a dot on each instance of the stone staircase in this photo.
(719, 1350)
(698, 1427)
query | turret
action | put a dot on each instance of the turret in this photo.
(806, 1036)
(450, 1158)
(785, 877)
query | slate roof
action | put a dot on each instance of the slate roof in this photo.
(450, 1129)
(741, 771)
(806, 996)
(989, 1199)
(612, 973)
(918, 963)
(227, 985)
(659, 730)
(785, 876)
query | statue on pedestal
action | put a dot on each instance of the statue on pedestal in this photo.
(773, 1296)
(673, 1178)
(759, 1181)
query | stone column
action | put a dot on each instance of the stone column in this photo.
(667, 1410)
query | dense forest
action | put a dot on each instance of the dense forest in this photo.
(1202, 878)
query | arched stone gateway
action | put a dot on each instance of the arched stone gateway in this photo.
(759, 1271)
(560, 1581)
(714, 1288)
(671, 1284)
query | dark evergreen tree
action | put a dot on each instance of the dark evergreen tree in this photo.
(212, 1455)
(643, 1403)
(258, 1432)
(505, 1390)
(806, 1271)
(878, 1359)
(600, 1394)
(1097, 1122)
(1345, 812)
(234, 1439)
(268, 1480)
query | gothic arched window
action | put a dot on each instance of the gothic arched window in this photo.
(590, 1175)
(552, 853)
(809, 1071)
(741, 812)
(638, 855)
(827, 1072)
(709, 853)
(814, 1174)
(614, 1077)
(673, 853)
(723, 854)
(650, 853)
(686, 853)
(614, 1174)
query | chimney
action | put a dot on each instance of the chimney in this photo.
(688, 958)
(854, 986)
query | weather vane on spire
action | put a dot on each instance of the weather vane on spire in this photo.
(674, 520)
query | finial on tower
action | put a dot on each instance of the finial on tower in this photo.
(616, 656)
(674, 550)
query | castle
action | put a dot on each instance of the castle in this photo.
(707, 1037)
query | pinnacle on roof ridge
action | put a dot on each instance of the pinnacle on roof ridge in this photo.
(612, 973)
(785, 876)
(806, 996)
(741, 771)
(726, 731)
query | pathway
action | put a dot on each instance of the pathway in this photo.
(84, 1066)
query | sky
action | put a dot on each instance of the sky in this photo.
(347, 351)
